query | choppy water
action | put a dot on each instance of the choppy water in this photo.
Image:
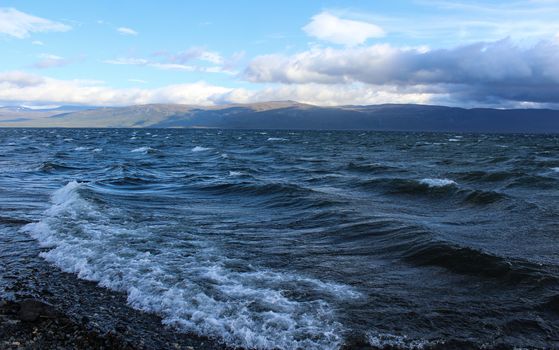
(311, 240)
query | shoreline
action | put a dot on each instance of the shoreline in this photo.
(73, 313)
(98, 319)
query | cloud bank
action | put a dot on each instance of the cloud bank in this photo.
(480, 72)
(21, 87)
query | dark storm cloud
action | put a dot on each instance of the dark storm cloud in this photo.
(497, 70)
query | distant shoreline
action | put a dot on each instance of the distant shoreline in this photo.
(290, 115)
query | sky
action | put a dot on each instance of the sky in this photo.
(502, 54)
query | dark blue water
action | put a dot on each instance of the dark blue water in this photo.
(310, 240)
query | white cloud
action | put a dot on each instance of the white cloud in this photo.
(50, 61)
(325, 26)
(20, 87)
(20, 24)
(197, 53)
(184, 61)
(126, 31)
(335, 95)
(38, 43)
(127, 60)
(172, 66)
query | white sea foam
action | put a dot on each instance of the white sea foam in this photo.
(437, 182)
(556, 169)
(383, 340)
(96, 150)
(277, 139)
(144, 149)
(195, 288)
(454, 140)
(200, 149)
(80, 148)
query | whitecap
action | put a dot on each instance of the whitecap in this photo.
(235, 173)
(96, 150)
(80, 148)
(437, 182)
(276, 139)
(200, 149)
(454, 140)
(144, 149)
(556, 169)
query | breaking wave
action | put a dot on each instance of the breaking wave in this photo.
(193, 286)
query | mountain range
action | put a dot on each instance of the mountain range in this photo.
(290, 115)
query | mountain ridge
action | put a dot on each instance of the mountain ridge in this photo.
(295, 115)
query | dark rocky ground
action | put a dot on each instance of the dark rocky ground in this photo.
(100, 323)
(44, 308)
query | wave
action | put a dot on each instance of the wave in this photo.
(277, 139)
(200, 149)
(551, 304)
(271, 194)
(13, 220)
(434, 187)
(534, 181)
(437, 182)
(483, 197)
(144, 150)
(486, 176)
(411, 186)
(372, 168)
(469, 261)
(195, 288)
(52, 167)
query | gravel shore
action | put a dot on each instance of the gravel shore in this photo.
(32, 324)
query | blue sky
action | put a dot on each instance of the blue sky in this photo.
(490, 53)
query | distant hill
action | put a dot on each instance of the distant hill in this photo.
(293, 115)
(24, 115)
